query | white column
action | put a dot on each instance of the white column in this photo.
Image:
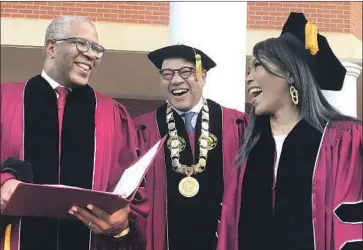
(219, 30)
(345, 100)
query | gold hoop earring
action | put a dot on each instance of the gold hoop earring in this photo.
(294, 95)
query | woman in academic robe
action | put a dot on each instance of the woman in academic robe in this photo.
(299, 181)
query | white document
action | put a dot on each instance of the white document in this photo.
(133, 175)
(61, 186)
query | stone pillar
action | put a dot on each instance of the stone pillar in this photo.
(219, 29)
(346, 99)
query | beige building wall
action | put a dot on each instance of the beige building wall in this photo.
(146, 37)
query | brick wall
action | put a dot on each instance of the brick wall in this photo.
(122, 12)
(356, 19)
(330, 16)
(345, 17)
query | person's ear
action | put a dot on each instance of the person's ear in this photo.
(291, 80)
(50, 47)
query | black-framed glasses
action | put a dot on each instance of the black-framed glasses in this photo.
(184, 72)
(83, 45)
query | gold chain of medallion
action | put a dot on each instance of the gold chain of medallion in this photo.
(177, 143)
(188, 186)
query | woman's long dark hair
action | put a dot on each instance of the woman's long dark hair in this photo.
(289, 54)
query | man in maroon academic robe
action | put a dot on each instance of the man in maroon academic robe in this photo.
(185, 185)
(55, 129)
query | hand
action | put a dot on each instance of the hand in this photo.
(101, 222)
(7, 190)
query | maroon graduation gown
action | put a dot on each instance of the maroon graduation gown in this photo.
(98, 143)
(174, 220)
(328, 207)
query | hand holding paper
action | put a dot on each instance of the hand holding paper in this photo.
(7, 189)
(55, 201)
(100, 222)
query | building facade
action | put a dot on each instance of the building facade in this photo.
(131, 29)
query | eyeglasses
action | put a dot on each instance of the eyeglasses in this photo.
(83, 45)
(184, 72)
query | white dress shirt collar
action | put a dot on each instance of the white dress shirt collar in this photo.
(196, 109)
(51, 81)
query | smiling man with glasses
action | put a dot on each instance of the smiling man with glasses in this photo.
(186, 183)
(71, 135)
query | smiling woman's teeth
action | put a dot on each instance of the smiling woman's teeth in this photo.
(255, 91)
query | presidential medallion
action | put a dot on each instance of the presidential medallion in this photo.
(188, 186)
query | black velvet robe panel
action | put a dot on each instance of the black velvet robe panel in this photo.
(280, 217)
(41, 149)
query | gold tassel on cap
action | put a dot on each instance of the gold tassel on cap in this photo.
(198, 67)
(311, 37)
(7, 238)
